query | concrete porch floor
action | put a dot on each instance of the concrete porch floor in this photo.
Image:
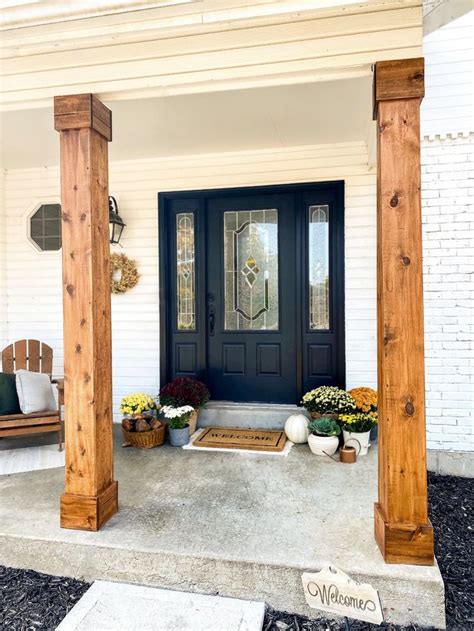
(242, 525)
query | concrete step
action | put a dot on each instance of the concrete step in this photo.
(110, 606)
(246, 415)
(236, 525)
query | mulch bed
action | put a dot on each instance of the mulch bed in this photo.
(31, 600)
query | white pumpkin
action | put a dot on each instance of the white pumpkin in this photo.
(296, 428)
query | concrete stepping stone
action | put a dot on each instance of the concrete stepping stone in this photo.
(108, 606)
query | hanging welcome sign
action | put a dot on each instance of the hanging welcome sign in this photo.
(333, 591)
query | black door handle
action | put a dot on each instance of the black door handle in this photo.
(211, 320)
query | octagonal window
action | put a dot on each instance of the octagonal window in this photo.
(45, 227)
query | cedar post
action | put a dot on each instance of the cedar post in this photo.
(85, 127)
(402, 528)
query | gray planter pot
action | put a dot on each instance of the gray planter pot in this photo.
(374, 434)
(179, 437)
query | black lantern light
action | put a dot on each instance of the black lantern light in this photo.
(116, 223)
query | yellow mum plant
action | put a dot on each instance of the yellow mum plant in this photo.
(137, 403)
(365, 399)
(358, 422)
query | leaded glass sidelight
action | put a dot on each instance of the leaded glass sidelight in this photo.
(185, 272)
(318, 258)
(251, 269)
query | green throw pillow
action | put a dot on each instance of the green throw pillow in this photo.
(9, 403)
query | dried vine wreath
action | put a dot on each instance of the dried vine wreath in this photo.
(129, 274)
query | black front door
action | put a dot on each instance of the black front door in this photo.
(252, 290)
(251, 297)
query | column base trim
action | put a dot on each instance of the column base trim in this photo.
(89, 512)
(403, 543)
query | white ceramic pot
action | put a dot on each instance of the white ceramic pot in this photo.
(323, 445)
(296, 428)
(354, 439)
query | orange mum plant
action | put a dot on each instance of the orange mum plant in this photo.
(365, 399)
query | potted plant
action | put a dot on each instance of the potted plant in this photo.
(366, 401)
(323, 438)
(328, 401)
(185, 391)
(140, 427)
(356, 430)
(178, 423)
(138, 403)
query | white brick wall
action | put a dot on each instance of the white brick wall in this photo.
(448, 232)
(449, 89)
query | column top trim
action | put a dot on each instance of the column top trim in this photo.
(398, 79)
(79, 111)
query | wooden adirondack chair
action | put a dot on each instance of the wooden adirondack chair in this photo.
(37, 357)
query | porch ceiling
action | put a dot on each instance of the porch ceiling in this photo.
(183, 47)
(283, 116)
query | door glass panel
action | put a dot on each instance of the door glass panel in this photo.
(251, 269)
(185, 276)
(318, 267)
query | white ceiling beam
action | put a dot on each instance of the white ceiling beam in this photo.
(444, 12)
(33, 13)
(49, 12)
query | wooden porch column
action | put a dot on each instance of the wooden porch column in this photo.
(402, 528)
(85, 127)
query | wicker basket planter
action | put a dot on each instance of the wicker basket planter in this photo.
(332, 415)
(193, 421)
(146, 440)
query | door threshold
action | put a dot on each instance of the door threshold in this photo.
(252, 404)
(247, 415)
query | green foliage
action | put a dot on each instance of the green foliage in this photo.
(324, 426)
(179, 422)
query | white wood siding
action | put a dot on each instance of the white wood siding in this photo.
(34, 279)
(3, 260)
(146, 53)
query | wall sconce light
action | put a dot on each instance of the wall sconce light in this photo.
(116, 223)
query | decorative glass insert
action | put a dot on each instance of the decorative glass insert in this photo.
(318, 267)
(185, 272)
(45, 227)
(251, 269)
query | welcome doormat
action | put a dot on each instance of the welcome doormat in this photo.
(237, 438)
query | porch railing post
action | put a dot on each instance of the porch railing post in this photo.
(85, 127)
(402, 528)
